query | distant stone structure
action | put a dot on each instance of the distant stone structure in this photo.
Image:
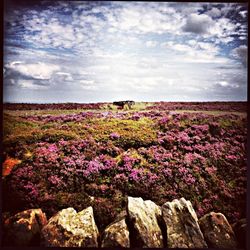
(121, 104)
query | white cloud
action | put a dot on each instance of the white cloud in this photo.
(240, 53)
(198, 24)
(143, 84)
(64, 76)
(54, 33)
(243, 38)
(243, 13)
(141, 19)
(208, 47)
(181, 48)
(224, 40)
(151, 44)
(195, 51)
(87, 82)
(13, 64)
(88, 85)
(214, 12)
(170, 81)
(127, 50)
(62, 73)
(222, 28)
(29, 84)
(192, 42)
(223, 83)
(85, 29)
(36, 70)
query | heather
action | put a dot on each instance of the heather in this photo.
(98, 157)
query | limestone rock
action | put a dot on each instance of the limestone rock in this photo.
(182, 226)
(71, 229)
(24, 228)
(143, 219)
(217, 231)
(116, 235)
(240, 230)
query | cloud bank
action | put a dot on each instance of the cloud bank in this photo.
(61, 51)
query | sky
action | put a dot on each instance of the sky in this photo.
(79, 51)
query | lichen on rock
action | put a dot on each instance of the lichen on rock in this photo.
(116, 235)
(71, 229)
(217, 231)
(144, 223)
(182, 226)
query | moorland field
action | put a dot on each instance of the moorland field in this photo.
(76, 155)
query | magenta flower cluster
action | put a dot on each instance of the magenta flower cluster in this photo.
(197, 156)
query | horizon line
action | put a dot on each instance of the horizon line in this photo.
(122, 100)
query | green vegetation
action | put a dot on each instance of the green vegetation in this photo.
(131, 133)
(14, 125)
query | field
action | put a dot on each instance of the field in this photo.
(59, 156)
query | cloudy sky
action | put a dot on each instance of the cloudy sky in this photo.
(77, 51)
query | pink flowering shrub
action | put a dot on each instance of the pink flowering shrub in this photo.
(114, 136)
(155, 154)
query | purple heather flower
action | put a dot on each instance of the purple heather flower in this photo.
(114, 135)
(52, 148)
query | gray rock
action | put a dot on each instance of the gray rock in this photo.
(24, 228)
(143, 218)
(71, 229)
(116, 235)
(182, 226)
(217, 231)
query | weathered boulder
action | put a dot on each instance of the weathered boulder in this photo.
(217, 231)
(240, 230)
(71, 229)
(182, 226)
(117, 233)
(143, 219)
(24, 228)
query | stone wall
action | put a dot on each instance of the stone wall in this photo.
(143, 224)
